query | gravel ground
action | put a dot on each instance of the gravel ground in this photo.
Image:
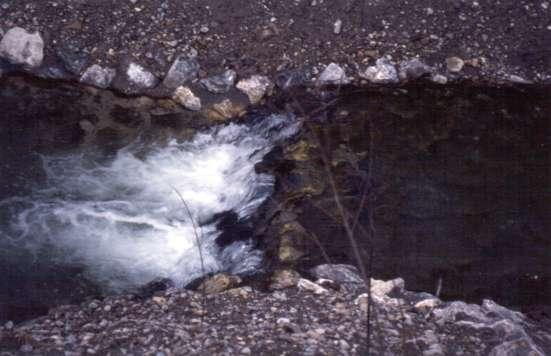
(496, 41)
(305, 318)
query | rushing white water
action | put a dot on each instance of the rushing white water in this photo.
(124, 220)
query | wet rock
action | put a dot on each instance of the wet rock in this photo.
(383, 72)
(292, 236)
(224, 110)
(255, 87)
(306, 285)
(333, 74)
(220, 84)
(454, 64)
(219, 283)
(98, 76)
(339, 273)
(290, 78)
(185, 97)
(22, 48)
(73, 60)
(140, 77)
(413, 69)
(183, 70)
(285, 278)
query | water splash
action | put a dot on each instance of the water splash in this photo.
(123, 220)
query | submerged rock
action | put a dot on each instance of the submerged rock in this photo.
(220, 84)
(333, 74)
(98, 76)
(218, 283)
(22, 48)
(383, 72)
(185, 97)
(255, 87)
(183, 70)
(224, 110)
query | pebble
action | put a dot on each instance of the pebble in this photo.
(337, 27)
(454, 64)
(439, 79)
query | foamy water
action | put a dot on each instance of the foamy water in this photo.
(123, 218)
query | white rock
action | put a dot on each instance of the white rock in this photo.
(383, 288)
(427, 305)
(383, 72)
(21, 47)
(339, 273)
(255, 87)
(333, 74)
(439, 78)
(98, 76)
(140, 77)
(454, 64)
(363, 301)
(304, 284)
(185, 97)
(518, 79)
(337, 27)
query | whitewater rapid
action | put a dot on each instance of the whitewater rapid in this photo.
(123, 219)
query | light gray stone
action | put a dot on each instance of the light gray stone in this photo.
(333, 74)
(98, 76)
(220, 84)
(413, 69)
(255, 87)
(304, 284)
(339, 273)
(185, 97)
(183, 70)
(22, 48)
(439, 79)
(383, 72)
(140, 77)
(454, 64)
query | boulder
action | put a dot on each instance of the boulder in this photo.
(339, 273)
(220, 84)
(255, 87)
(98, 76)
(140, 77)
(185, 97)
(183, 70)
(383, 72)
(22, 48)
(333, 74)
